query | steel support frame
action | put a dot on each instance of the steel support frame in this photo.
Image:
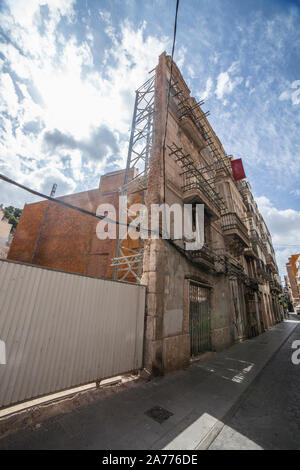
(198, 117)
(128, 262)
(191, 172)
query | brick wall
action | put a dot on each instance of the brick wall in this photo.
(68, 238)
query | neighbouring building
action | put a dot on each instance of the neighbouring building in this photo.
(197, 300)
(5, 233)
(58, 237)
(287, 294)
(293, 279)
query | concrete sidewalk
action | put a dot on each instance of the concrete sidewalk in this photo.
(200, 399)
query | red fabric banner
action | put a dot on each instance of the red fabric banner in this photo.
(237, 169)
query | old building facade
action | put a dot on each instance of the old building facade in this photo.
(197, 300)
(227, 291)
(293, 279)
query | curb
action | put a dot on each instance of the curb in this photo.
(211, 436)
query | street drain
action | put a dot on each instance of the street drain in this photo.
(159, 414)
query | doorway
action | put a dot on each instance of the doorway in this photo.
(199, 319)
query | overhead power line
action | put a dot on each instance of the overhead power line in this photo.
(276, 244)
(168, 100)
(71, 206)
(84, 211)
(59, 201)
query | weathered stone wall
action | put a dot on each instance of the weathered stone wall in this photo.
(236, 310)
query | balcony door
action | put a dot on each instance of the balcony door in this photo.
(238, 304)
(199, 319)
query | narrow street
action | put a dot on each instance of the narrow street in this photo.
(268, 415)
(246, 397)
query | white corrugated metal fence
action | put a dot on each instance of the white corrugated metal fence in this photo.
(63, 330)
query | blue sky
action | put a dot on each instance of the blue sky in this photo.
(69, 70)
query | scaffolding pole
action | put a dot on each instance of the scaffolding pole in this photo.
(193, 111)
(128, 261)
(193, 177)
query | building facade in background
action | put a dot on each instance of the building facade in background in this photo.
(5, 233)
(197, 300)
(293, 279)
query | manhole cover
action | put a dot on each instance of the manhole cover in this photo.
(159, 414)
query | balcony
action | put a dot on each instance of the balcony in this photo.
(264, 237)
(250, 252)
(192, 130)
(235, 233)
(262, 271)
(254, 237)
(271, 264)
(195, 191)
(205, 257)
(275, 287)
(196, 187)
(252, 283)
(263, 274)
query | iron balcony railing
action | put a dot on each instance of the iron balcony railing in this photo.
(202, 185)
(254, 235)
(193, 177)
(274, 285)
(231, 221)
(262, 270)
(205, 254)
(265, 237)
(252, 282)
(255, 238)
(270, 260)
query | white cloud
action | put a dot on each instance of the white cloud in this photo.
(289, 94)
(191, 71)
(226, 83)
(60, 88)
(233, 67)
(8, 96)
(43, 179)
(180, 56)
(208, 89)
(284, 226)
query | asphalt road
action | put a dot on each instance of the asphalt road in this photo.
(268, 415)
(249, 394)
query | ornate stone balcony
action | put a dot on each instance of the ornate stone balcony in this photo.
(205, 256)
(263, 273)
(275, 286)
(252, 283)
(249, 252)
(202, 193)
(235, 233)
(271, 264)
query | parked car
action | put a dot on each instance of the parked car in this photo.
(298, 310)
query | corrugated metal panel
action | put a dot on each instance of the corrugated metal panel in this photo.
(62, 330)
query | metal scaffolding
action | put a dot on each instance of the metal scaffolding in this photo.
(128, 261)
(193, 177)
(189, 108)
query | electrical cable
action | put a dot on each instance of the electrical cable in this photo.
(93, 214)
(63, 203)
(168, 102)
